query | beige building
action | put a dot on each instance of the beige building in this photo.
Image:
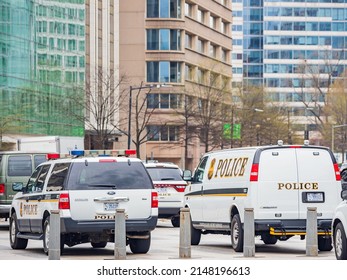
(165, 49)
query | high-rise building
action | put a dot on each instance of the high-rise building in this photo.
(165, 49)
(295, 49)
(42, 63)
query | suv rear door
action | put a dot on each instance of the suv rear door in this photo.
(109, 184)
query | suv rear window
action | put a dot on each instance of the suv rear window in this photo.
(108, 175)
(164, 174)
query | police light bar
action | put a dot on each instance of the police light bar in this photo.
(77, 153)
(130, 152)
(52, 156)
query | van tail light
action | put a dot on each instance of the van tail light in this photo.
(2, 189)
(337, 172)
(154, 203)
(180, 188)
(254, 172)
(64, 201)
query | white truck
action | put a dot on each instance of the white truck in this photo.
(50, 144)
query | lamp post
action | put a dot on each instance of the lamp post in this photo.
(332, 134)
(130, 104)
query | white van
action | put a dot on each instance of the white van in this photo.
(279, 182)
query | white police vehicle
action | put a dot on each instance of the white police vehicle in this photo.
(339, 226)
(87, 189)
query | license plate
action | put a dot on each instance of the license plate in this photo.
(161, 190)
(110, 206)
(313, 197)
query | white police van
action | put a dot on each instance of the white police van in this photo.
(87, 190)
(279, 182)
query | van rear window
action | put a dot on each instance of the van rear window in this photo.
(108, 175)
(19, 166)
(38, 159)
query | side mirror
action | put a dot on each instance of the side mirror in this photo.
(187, 175)
(17, 187)
(344, 194)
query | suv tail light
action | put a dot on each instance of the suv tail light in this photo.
(254, 172)
(64, 201)
(154, 202)
(180, 188)
(2, 189)
(337, 172)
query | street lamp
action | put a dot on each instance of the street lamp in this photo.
(332, 134)
(130, 104)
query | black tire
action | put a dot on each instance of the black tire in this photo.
(99, 244)
(236, 233)
(140, 246)
(46, 230)
(340, 242)
(268, 239)
(16, 243)
(325, 243)
(175, 221)
(195, 235)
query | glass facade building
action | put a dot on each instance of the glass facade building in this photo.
(42, 64)
(291, 47)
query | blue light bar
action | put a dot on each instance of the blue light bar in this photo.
(77, 153)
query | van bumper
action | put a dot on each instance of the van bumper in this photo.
(5, 210)
(72, 226)
(290, 227)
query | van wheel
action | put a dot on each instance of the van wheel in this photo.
(340, 242)
(324, 243)
(175, 221)
(99, 244)
(140, 246)
(195, 235)
(16, 243)
(268, 239)
(46, 233)
(236, 233)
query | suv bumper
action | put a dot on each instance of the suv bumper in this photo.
(71, 226)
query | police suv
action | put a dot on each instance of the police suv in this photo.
(87, 189)
(279, 182)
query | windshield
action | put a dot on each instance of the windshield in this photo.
(164, 174)
(108, 175)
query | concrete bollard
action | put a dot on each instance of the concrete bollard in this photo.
(311, 232)
(248, 233)
(120, 235)
(185, 244)
(54, 236)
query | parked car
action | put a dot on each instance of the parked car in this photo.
(86, 190)
(15, 169)
(167, 180)
(339, 226)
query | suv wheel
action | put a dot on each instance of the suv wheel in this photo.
(16, 243)
(101, 244)
(236, 233)
(175, 221)
(195, 235)
(46, 233)
(340, 242)
(140, 246)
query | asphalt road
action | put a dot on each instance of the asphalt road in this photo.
(165, 246)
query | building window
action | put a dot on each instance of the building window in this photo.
(201, 46)
(213, 22)
(188, 41)
(163, 39)
(163, 100)
(188, 9)
(163, 71)
(189, 72)
(163, 8)
(213, 50)
(162, 133)
(201, 76)
(201, 16)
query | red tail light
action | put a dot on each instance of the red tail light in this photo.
(154, 203)
(180, 188)
(64, 201)
(337, 172)
(2, 189)
(254, 172)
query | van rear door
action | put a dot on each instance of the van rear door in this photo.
(277, 175)
(318, 185)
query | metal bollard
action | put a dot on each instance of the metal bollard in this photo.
(54, 236)
(311, 232)
(248, 233)
(120, 235)
(185, 244)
